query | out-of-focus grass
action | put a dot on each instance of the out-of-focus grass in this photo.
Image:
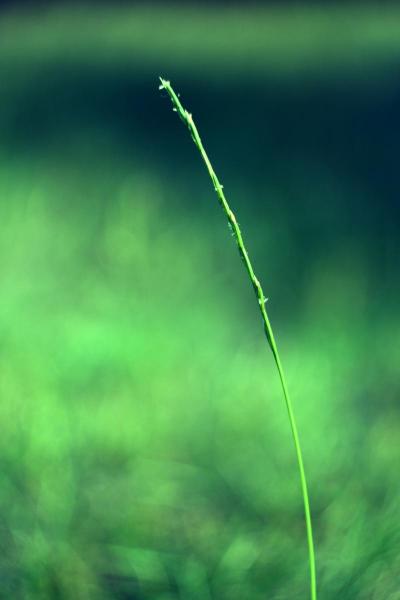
(144, 447)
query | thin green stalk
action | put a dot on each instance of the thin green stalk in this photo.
(188, 120)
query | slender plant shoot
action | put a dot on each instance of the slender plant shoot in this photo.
(186, 117)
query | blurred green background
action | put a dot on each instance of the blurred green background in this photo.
(145, 451)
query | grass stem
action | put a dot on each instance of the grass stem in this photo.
(188, 120)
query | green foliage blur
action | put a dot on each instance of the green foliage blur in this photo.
(145, 452)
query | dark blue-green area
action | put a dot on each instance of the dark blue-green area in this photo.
(145, 452)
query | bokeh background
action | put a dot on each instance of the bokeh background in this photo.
(145, 451)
